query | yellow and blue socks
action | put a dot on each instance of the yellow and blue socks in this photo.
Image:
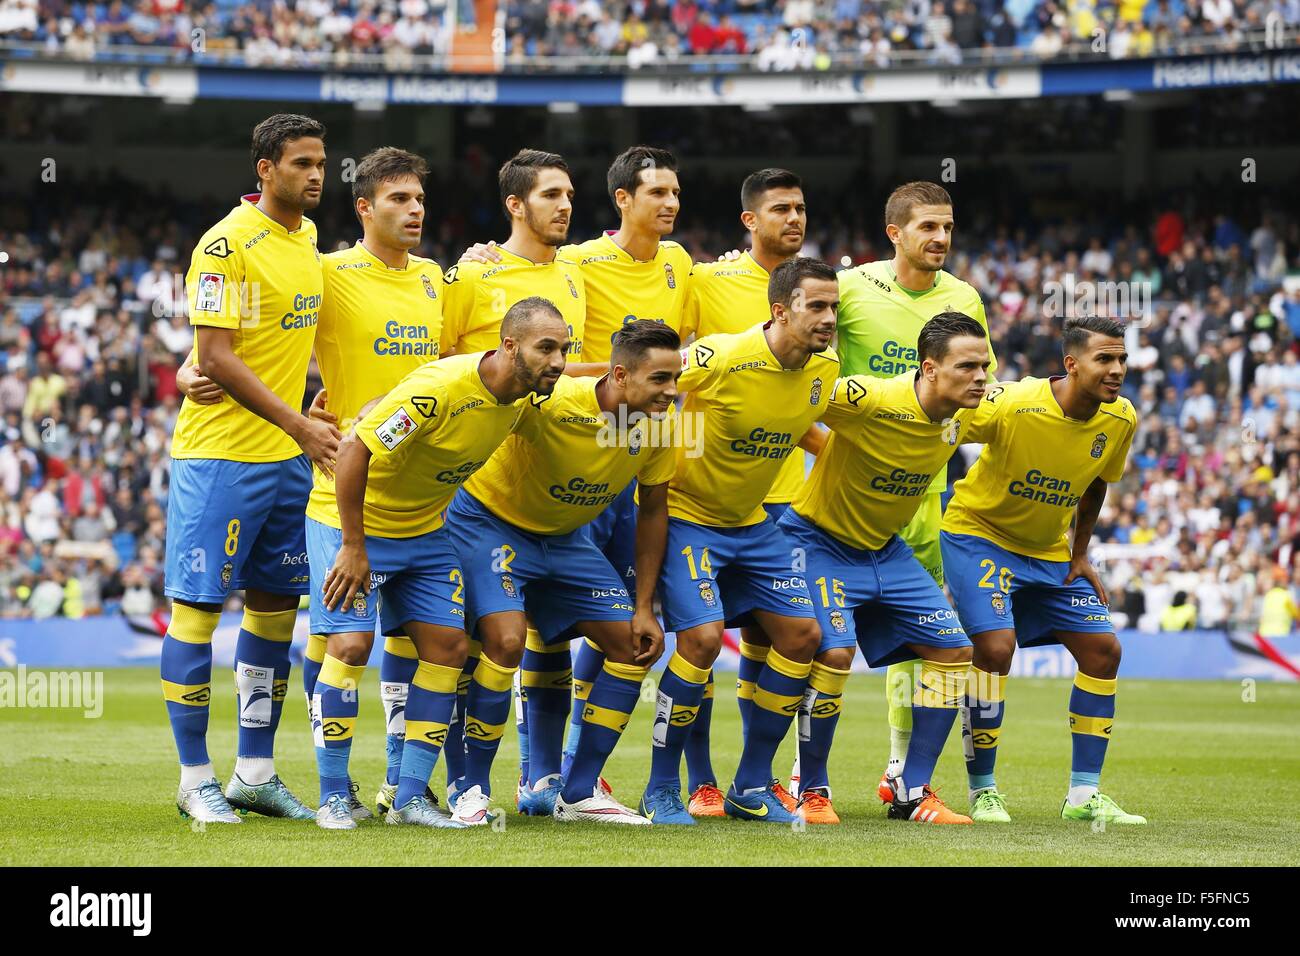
(985, 695)
(261, 684)
(940, 691)
(487, 708)
(312, 659)
(187, 686)
(1092, 715)
(397, 666)
(428, 716)
(699, 762)
(453, 754)
(336, 699)
(609, 706)
(681, 689)
(752, 658)
(546, 676)
(778, 692)
(818, 716)
(587, 664)
(898, 698)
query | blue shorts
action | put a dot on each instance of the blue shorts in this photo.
(777, 511)
(236, 524)
(613, 531)
(881, 600)
(996, 589)
(559, 580)
(724, 574)
(411, 579)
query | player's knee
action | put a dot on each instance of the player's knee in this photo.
(801, 640)
(505, 647)
(840, 658)
(351, 649)
(701, 645)
(950, 655)
(1104, 658)
(993, 655)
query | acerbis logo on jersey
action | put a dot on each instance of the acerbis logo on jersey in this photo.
(395, 429)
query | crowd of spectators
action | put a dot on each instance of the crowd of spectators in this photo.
(92, 330)
(777, 34)
(815, 34)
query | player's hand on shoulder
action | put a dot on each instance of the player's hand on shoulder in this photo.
(479, 252)
(319, 441)
(349, 576)
(318, 411)
(197, 387)
(647, 638)
(731, 256)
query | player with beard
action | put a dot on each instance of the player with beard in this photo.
(729, 296)
(883, 306)
(254, 290)
(397, 473)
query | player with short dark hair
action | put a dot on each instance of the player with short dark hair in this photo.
(519, 530)
(255, 290)
(1017, 578)
(757, 393)
(888, 439)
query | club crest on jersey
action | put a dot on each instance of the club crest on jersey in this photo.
(1098, 445)
(508, 585)
(999, 603)
(815, 394)
(573, 289)
(837, 621)
(951, 428)
(227, 571)
(668, 272)
(707, 594)
(429, 290)
(634, 441)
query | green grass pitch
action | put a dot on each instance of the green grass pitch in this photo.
(1216, 776)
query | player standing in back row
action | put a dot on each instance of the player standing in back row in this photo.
(241, 470)
(883, 306)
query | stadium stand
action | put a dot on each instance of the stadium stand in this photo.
(767, 34)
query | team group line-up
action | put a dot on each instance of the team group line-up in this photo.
(496, 468)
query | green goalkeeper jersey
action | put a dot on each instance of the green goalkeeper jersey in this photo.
(879, 322)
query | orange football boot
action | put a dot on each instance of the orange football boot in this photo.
(815, 807)
(706, 801)
(929, 809)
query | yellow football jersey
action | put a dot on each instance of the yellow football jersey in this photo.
(1035, 465)
(478, 294)
(621, 289)
(376, 325)
(880, 457)
(567, 461)
(730, 297)
(250, 274)
(438, 426)
(743, 417)
(879, 321)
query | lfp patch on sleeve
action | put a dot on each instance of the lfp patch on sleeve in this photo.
(394, 429)
(211, 286)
